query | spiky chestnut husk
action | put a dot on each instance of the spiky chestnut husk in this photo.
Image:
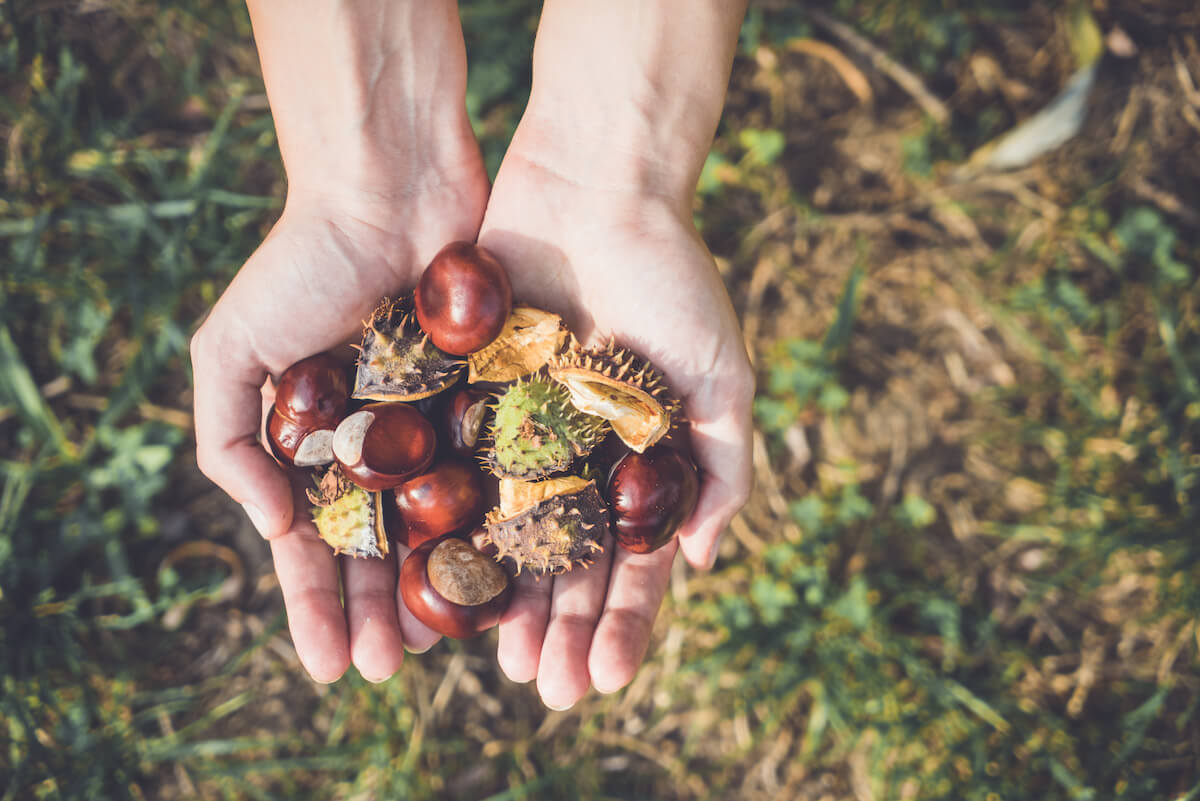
(623, 388)
(348, 518)
(548, 527)
(535, 431)
(397, 362)
(529, 340)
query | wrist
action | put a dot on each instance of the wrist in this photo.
(615, 157)
(368, 94)
(626, 95)
(436, 154)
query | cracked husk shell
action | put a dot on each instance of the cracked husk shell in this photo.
(397, 362)
(536, 431)
(529, 340)
(621, 387)
(348, 518)
(548, 527)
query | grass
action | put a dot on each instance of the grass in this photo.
(969, 567)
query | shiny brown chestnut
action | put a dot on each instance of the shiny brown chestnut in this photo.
(454, 589)
(383, 444)
(650, 495)
(313, 392)
(460, 420)
(463, 298)
(296, 445)
(447, 498)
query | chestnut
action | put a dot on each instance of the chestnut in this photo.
(313, 392)
(310, 399)
(463, 298)
(383, 444)
(447, 498)
(460, 420)
(295, 445)
(454, 589)
(649, 496)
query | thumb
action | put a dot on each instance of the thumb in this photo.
(228, 408)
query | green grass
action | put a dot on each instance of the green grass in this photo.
(1005, 610)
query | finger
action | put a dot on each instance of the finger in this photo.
(723, 451)
(719, 499)
(418, 638)
(376, 645)
(523, 627)
(700, 536)
(575, 607)
(635, 593)
(227, 406)
(308, 578)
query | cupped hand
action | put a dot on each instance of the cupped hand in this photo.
(627, 264)
(320, 272)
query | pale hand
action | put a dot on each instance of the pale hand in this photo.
(631, 266)
(321, 271)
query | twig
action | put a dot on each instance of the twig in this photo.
(751, 541)
(181, 774)
(1184, 76)
(51, 389)
(881, 61)
(851, 75)
(1165, 201)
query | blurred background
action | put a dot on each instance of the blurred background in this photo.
(969, 568)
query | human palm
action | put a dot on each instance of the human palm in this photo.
(631, 266)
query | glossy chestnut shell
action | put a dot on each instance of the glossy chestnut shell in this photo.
(649, 496)
(447, 498)
(383, 444)
(313, 392)
(454, 589)
(463, 298)
(298, 446)
(460, 419)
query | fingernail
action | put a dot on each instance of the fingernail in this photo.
(257, 518)
(559, 708)
(713, 552)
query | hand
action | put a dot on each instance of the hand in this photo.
(627, 264)
(320, 272)
(591, 214)
(383, 170)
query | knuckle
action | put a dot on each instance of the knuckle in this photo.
(744, 385)
(742, 490)
(206, 459)
(200, 346)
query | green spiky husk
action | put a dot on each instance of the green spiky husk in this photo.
(537, 432)
(397, 362)
(348, 518)
(555, 535)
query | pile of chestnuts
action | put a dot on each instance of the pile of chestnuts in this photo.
(484, 437)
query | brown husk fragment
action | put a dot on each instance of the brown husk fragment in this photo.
(529, 340)
(623, 388)
(348, 518)
(548, 527)
(397, 362)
